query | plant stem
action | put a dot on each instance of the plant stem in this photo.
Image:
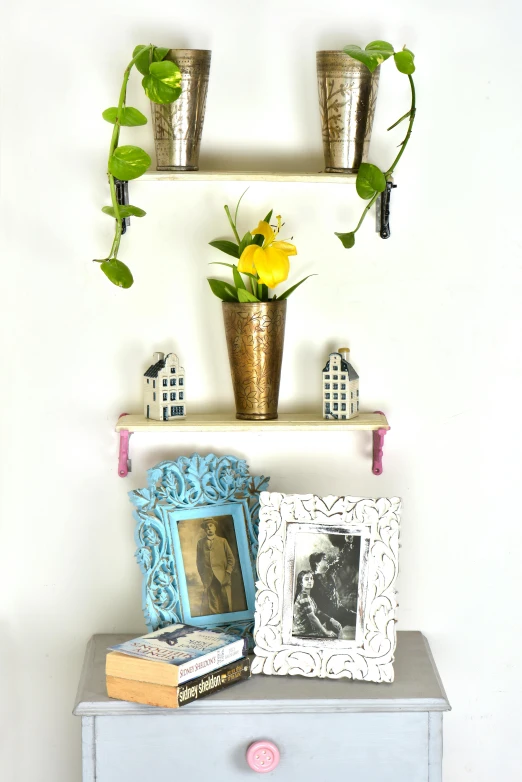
(114, 143)
(366, 210)
(388, 173)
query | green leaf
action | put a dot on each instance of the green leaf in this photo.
(348, 239)
(263, 292)
(230, 248)
(160, 53)
(269, 217)
(128, 116)
(163, 82)
(370, 180)
(245, 296)
(245, 242)
(142, 63)
(375, 53)
(128, 162)
(237, 207)
(404, 61)
(126, 210)
(223, 290)
(117, 272)
(238, 280)
(287, 293)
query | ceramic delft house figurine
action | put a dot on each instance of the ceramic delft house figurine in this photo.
(164, 388)
(340, 386)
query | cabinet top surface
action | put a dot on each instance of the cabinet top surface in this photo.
(417, 687)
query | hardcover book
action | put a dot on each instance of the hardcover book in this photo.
(174, 654)
(169, 697)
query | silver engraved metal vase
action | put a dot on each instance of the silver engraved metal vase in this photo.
(347, 98)
(178, 126)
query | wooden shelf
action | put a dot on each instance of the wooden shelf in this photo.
(311, 177)
(227, 422)
(305, 422)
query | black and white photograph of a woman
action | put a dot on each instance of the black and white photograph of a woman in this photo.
(326, 585)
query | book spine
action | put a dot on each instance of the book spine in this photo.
(209, 662)
(238, 671)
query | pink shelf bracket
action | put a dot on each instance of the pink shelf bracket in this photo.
(378, 443)
(124, 463)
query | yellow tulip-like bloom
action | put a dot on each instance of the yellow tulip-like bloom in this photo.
(269, 261)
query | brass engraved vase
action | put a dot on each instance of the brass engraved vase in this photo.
(255, 335)
(178, 126)
(347, 98)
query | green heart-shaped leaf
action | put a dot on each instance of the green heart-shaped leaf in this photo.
(163, 83)
(128, 162)
(143, 61)
(223, 290)
(245, 296)
(126, 210)
(348, 239)
(375, 53)
(129, 116)
(160, 53)
(226, 247)
(118, 273)
(404, 61)
(370, 180)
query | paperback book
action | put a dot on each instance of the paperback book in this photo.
(169, 697)
(174, 654)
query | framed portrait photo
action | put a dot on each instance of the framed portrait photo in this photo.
(326, 600)
(197, 524)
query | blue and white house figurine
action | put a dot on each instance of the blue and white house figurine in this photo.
(164, 388)
(340, 387)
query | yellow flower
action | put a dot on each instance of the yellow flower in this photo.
(270, 261)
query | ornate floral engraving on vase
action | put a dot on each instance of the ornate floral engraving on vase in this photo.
(255, 336)
(347, 98)
(178, 126)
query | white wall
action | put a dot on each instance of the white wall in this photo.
(432, 316)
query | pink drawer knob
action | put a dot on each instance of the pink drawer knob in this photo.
(262, 756)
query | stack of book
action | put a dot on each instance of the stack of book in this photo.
(175, 666)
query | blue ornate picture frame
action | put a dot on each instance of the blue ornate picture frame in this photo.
(186, 492)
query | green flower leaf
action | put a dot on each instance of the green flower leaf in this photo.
(118, 273)
(238, 280)
(230, 248)
(370, 180)
(163, 82)
(375, 53)
(143, 61)
(245, 242)
(223, 290)
(129, 116)
(348, 239)
(128, 162)
(287, 293)
(126, 210)
(245, 296)
(160, 53)
(404, 61)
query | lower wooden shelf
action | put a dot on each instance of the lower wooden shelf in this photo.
(225, 422)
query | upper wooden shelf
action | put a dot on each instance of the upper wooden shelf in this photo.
(312, 177)
(224, 422)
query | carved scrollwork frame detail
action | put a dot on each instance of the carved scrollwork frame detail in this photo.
(370, 656)
(189, 482)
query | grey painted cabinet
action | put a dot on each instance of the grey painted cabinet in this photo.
(362, 731)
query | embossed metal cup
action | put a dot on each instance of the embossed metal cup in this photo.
(178, 126)
(255, 335)
(347, 98)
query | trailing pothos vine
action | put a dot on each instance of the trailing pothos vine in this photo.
(162, 84)
(371, 181)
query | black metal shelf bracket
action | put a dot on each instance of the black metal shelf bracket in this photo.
(122, 197)
(383, 211)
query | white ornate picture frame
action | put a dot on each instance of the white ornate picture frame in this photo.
(374, 524)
